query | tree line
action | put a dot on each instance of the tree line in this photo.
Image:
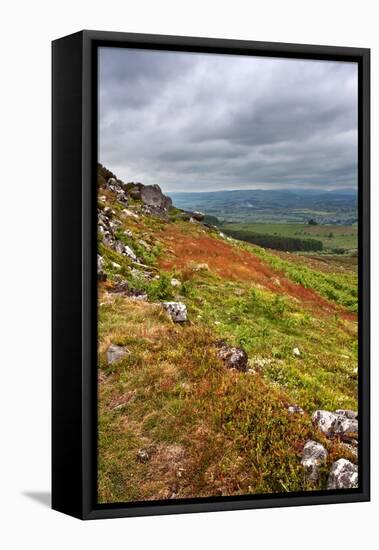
(277, 242)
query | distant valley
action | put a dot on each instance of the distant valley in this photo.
(285, 206)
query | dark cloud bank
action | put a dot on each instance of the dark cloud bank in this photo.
(196, 122)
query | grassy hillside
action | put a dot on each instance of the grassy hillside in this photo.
(206, 430)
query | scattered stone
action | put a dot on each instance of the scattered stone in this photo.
(175, 282)
(333, 424)
(121, 287)
(222, 235)
(343, 475)
(119, 247)
(295, 409)
(233, 357)
(101, 275)
(138, 295)
(128, 233)
(314, 454)
(130, 214)
(296, 352)
(130, 253)
(143, 456)
(176, 310)
(115, 353)
(116, 265)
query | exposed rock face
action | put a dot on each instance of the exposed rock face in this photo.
(314, 454)
(115, 353)
(122, 287)
(152, 197)
(336, 425)
(116, 187)
(176, 310)
(343, 475)
(233, 357)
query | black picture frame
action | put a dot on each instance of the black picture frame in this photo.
(74, 356)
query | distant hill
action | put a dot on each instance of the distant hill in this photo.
(274, 205)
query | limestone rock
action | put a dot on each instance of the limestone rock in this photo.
(143, 456)
(352, 415)
(115, 353)
(101, 275)
(296, 352)
(314, 454)
(130, 253)
(233, 357)
(343, 475)
(176, 310)
(333, 424)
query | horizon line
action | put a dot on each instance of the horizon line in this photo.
(326, 190)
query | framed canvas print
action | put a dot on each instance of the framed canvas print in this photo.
(210, 274)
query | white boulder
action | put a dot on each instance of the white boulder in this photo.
(333, 424)
(343, 475)
(314, 454)
(176, 310)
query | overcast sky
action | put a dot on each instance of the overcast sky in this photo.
(202, 122)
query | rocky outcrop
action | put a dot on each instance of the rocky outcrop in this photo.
(314, 454)
(117, 187)
(188, 215)
(343, 475)
(155, 202)
(233, 357)
(337, 424)
(176, 310)
(123, 288)
(116, 353)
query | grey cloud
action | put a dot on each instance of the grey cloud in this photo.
(202, 122)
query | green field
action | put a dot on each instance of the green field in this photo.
(332, 236)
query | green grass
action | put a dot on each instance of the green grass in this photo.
(341, 288)
(332, 236)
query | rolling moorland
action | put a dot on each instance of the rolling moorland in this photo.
(221, 363)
